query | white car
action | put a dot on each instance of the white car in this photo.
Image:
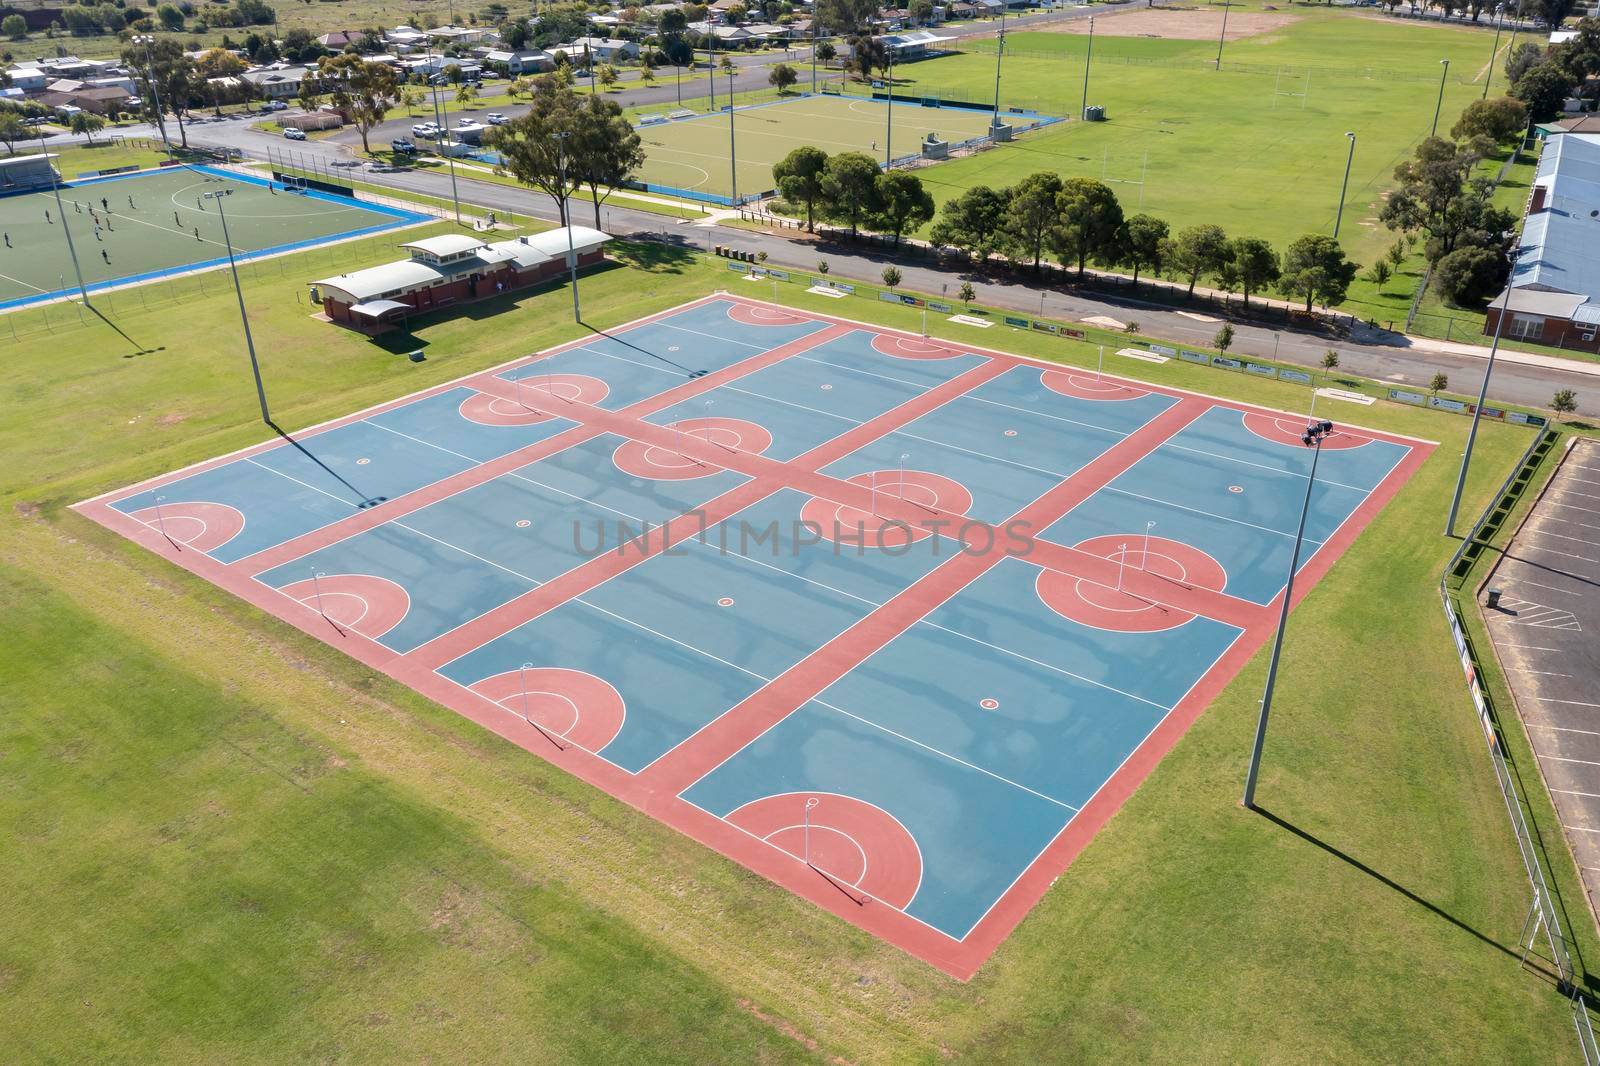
(294, 135)
(495, 118)
(425, 129)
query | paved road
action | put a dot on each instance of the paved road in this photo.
(1544, 634)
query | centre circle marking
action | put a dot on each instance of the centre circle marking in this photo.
(989, 704)
(672, 348)
(726, 601)
(523, 523)
(1236, 488)
(363, 462)
(827, 388)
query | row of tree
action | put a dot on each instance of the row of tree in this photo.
(1079, 221)
(852, 190)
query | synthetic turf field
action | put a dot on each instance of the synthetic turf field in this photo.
(148, 227)
(901, 618)
(692, 154)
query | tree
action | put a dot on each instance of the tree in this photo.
(1032, 212)
(1436, 198)
(1330, 362)
(531, 145)
(170, 17)
(162, 69)
(1255, 265)
(1544, 89)
(868, 53)
(1315, 267)
(15, 27)
(921, 11)
(891, 276)
(1521, 59)
(1469, 276)
(826, 52)
(411, 98)
(971, 222)
(1485, 124)
(1564, 402)
(1380, 273)
(1140, 245)
(799, 177)
(1397, 253)
(1224, 338)
(607, 75)
(364, 91)
(87, 123)
(1198, 251)
(12, 129)
(309, 93)
(850, 189)
(606, 149)
(822, 266)
(1089, 218)
(902, 203)
(844, 17)
(968, 294)
(466, 96)
(1439, 383)
(781, 77)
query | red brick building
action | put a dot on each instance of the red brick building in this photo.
(452, 268)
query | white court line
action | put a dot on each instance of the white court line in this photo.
(927, 747)
(902, 432)
(1168, 443)
(808, 358)
(260, 466)
(728, 340)
(1221, 518)
(787, 403)
(1119, 434)
(24, 284)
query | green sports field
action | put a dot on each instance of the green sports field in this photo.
(1258, 147)
(692, 154)
(155, 223)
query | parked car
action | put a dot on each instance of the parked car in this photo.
(277, 105)
(425, 129)
(294, 135)
(403, 146)
(495, 118)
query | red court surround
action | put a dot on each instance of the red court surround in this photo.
(869, 865)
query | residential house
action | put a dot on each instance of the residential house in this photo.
(277, 82)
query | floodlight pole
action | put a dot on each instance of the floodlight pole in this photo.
(566, 204)
(55, 187)
(1315, 434)
(813, 57)
(1494, 50)
(888, 114)
(1438, 104)
(1088, 56)
(1223, 36)
(1483, 394)
(711, 65)
(679, 68)
(999, 54)
(441, 118)
(733, 155)
(1345, 185)
(150, 66)
(244, 319)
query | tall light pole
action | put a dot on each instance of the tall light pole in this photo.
(999, 54)
(1088, 56)
(1312, 438)
(441, 118)
(566, 212)
(711, 65)
(1494, 50)
(55, 187)
(733, 155)
(813, 57)
(150, 71)
(244, 319)
(1483, 394)
(888, 114)
(1345, 185)
(1223, 36)
(1445, 63)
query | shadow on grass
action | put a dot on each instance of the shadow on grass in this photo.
(1533, 960)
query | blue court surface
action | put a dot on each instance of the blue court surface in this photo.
(905, 665)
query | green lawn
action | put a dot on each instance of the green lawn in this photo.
(1222, 146)
(231, 842)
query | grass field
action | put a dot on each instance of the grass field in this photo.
(1222, 146)
(149, 224)
(235, 843)
(692, 154)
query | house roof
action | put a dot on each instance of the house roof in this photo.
(363, 285)
(553, 242)
(445, 244)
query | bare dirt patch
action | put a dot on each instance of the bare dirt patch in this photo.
(1179, 23)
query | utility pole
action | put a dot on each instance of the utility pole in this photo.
(1494, 50)
(1087, 57)
(1348, 159)
(150, 69)
(1223, 36)
(999, 54)
(244, 319)
(55, 187)
(733, 154)
(1445, 63)
(1483, 394)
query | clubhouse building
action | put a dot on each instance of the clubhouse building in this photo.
(452, 268)
(1555, 281)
